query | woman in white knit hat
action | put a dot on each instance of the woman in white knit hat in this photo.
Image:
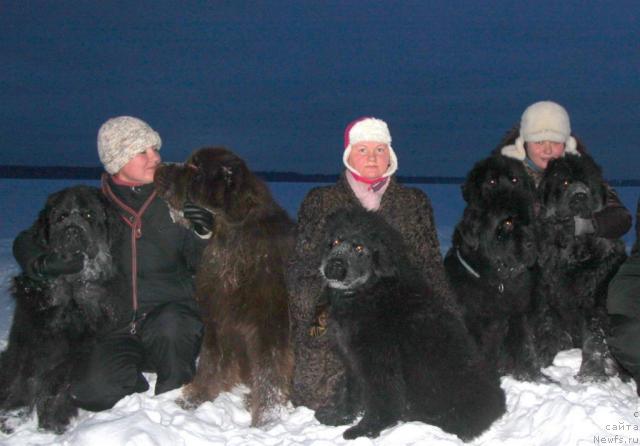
(158, 258)
(544, 133)
(368, 181)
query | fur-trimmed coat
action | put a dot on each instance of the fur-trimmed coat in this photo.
(612, 222)
(318, 370)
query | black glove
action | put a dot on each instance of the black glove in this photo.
(52, 265)
(200, 218)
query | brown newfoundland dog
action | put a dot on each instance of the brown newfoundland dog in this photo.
(240, 284)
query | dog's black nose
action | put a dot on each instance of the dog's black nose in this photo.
(71, 233)
(578, 202)
(335, 269)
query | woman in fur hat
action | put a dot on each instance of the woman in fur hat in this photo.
(544, 134)
(158, 258)
(369, 182)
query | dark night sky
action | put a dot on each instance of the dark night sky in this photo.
(277, 81)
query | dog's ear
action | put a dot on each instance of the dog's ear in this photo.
(43, 222)
(466, 232)
(383, 264)
(472, 186)
(42, 227)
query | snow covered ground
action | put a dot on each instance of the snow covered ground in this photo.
(564, 414)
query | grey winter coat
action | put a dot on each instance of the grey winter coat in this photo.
(318, 371)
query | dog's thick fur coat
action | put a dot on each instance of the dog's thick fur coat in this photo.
(575, 270)
(57, 321)
(408, 356)
(492, 264)
(240, 285)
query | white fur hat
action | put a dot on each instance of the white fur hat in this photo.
(368, 129)
(542, 121)
(122, 138)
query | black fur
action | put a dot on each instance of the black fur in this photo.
(411, 358)
(56, 321)
(492, 264)
(498, 245)
(497, 175)
(575, 270)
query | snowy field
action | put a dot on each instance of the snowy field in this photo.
(564, 414)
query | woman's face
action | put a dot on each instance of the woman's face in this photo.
(369, 158)
(141, 168)
(541, 152)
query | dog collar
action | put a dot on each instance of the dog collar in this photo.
(468, 267)
(473, 272)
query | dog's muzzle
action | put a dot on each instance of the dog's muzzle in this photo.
(73, 238)
(335, 269)
(579, 203)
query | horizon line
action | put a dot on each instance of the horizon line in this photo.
(94, 173)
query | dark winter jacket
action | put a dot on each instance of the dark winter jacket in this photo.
(613, 221)
(167, 254)
(408, 210)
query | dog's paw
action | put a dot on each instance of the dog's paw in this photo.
(332, 417)
(362, 430)
(187, 403)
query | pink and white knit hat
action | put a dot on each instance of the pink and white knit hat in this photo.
(368, 129)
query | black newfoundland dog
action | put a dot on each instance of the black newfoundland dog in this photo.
(410, 358)
(575, 270)
(492, 264)
(57, 321)
(240, 285)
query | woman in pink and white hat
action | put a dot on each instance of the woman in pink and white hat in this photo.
(369, 182)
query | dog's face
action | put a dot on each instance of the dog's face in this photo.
(359, 249)
(79, 220)
(500, 239)
(572, 186)
(213, 178)
(496, 175)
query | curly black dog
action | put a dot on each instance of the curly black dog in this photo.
(492, 264)
(411, 358)
(575, 270)
(56, 321)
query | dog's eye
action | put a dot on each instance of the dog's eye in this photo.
(492, 182)
(358, 248)
(335, 242)
(514, 180)
(88, 215)
(62, 217)
(565, 183)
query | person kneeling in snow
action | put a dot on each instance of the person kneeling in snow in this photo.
(158, 260)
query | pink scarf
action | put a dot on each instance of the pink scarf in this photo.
(368, 192)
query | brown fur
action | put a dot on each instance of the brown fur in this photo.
(240, 284)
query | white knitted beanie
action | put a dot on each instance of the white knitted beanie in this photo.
(542, 121)
(368, 129)
(122, 138)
